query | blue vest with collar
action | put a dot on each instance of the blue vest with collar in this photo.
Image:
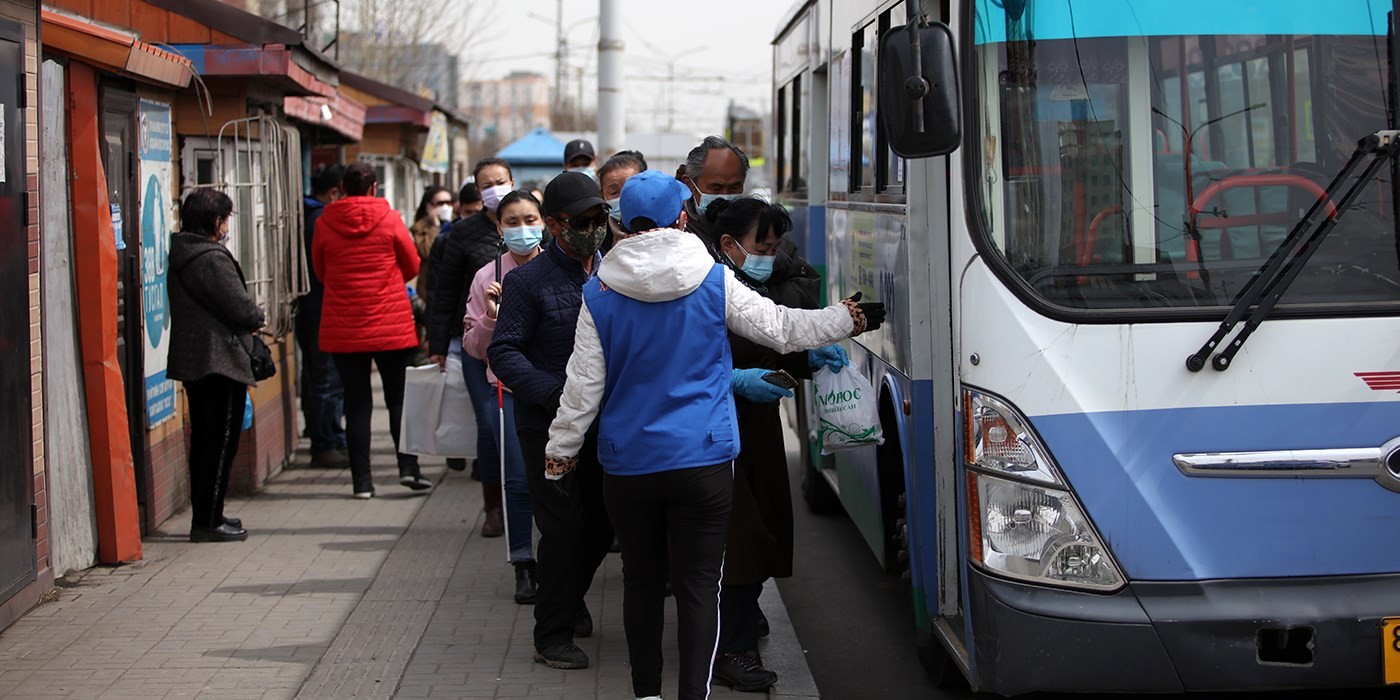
(667, 402)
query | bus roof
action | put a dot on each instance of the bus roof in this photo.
(1084, 19)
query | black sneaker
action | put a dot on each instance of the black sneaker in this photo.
(417, 482)
(583, 622)
(762, 625)
(743, 672)
(562, 655)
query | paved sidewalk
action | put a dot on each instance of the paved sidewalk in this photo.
(330, 598)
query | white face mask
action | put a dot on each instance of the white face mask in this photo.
(586, 170)
(444, 212)
(492, 196)
(616, 211)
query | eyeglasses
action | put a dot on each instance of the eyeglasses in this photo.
(582, 223)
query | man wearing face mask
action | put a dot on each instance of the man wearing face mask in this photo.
(473, 243)
(714, 170)
(529, 351)
(580, 158)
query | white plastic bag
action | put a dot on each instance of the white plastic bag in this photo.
(847, 410)
(437, 413)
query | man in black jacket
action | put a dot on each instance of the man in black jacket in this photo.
(529, 352)
(471, 244)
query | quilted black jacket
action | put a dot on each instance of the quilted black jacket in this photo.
(472, 243)
(534, 336)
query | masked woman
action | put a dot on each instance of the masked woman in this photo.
(747, 234)
(211, 316)
(522, 227)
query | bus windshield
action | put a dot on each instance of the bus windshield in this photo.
(1151, 155)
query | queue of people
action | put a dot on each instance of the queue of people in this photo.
(619, 334)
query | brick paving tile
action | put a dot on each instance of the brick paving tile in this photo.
(330, 597)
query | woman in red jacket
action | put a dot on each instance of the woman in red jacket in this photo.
(364, 256)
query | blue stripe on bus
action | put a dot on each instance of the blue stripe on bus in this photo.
(1052, 19)
(1164, 525)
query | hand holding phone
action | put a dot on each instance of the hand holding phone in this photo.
(780, 378)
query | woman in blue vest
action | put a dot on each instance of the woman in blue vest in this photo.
(652, 362)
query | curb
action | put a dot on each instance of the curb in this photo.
(782, 652)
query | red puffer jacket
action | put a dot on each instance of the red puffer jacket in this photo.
(364, 255)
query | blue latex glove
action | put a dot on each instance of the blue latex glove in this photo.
(832, 356)
(748, 384)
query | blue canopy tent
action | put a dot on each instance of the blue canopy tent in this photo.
(537, 156)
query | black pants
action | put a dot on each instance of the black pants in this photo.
(322, 398)
(216, 405)
(575, 535)
(354, 371)
(739, 616)
(690, 509)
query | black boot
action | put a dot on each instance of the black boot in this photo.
(525, 582)
(743, 671)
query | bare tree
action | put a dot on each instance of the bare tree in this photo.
(417, 45)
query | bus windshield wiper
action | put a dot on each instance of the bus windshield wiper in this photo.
(1264, 290)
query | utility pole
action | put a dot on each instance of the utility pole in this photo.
(559, 55)
(612, 124)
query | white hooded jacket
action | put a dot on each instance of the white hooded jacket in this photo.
(664, 265)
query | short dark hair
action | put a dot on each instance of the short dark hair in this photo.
(359, 178)
(327, 178)
(623, 159)
(469, 193)
(203, 209)
(519, 196)
(488, 162)
(739, 216)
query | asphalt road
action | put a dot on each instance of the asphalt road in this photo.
(855, 625)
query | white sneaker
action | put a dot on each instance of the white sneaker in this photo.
(651, 697)
(364, 495)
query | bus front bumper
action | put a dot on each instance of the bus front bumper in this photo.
(1181, 636)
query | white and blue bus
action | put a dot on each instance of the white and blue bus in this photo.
(1083, 493)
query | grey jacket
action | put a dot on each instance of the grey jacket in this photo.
(211, 313)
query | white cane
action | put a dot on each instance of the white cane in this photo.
(501, 425)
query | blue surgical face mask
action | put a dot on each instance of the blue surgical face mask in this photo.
(758, 267)
(707, 199)
(586, 170)
(616, 211)
(523, 240)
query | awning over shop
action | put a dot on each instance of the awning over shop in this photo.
(395, 106)
(272, 62)
(539, 147)
(112, 50)
(339, 112)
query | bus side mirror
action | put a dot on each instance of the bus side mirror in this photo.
(919, 106)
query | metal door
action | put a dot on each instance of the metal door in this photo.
(119, 162)
(17, 563)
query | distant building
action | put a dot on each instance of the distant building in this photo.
(502, 111)
(744, 128)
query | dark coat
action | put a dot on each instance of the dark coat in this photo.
(310, 305)
(534, 336)
(760, 521)
(472, 244)
(211, 313)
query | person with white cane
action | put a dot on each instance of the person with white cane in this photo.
(521, 230)
(529, 352)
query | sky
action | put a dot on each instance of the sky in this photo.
(718, 50)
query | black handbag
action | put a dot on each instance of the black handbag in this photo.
(259, 355)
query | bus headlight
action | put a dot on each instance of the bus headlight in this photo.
(1036, 533)
(1023, 521)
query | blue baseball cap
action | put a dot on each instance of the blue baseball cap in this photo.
(655, 195)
